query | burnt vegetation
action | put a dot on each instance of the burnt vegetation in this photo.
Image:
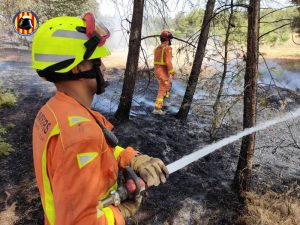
(226, 83)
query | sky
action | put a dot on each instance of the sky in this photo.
(107, 8)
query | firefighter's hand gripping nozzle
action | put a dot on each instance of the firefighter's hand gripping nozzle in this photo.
(132, 188)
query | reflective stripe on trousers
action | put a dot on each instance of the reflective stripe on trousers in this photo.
(159, 103)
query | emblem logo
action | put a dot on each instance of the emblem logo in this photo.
(25, 23)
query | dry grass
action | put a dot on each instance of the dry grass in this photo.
(8, 216)
(117, 59)
(271, 209)
(288, 50)
(6, 99)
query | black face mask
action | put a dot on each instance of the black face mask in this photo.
(101, 83)
(95, 72)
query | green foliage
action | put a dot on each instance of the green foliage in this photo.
(5, 148)
(154, 25)
(44, 9)
(7, 98)
(296, 24)
(281, 18)
(10, 126)
(54, 8)
(296, 20)
(2, 130)
(187, 24)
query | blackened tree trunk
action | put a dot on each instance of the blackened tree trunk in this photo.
(122, 113)
(244, 169)
(193, 79)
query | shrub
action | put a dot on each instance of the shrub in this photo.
(5, 148)
(10, 126)
(271, 209)
(7, 98)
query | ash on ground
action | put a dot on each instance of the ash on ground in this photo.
(201, 193)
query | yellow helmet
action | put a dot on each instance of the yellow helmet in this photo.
(62, 43)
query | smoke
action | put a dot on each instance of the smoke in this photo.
(285, 73)
(118, 37)
(186, 160)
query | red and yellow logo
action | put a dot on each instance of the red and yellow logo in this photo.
(25, 23)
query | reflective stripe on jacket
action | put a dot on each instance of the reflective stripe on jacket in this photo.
(163, 57)
(74, 165)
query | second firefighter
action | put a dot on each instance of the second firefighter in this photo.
(163, 70)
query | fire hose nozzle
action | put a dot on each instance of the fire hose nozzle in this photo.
(131, 189)
(115, 198)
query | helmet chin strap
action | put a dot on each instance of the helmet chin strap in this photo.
(95, 72)
(101, 83)
(52, 76)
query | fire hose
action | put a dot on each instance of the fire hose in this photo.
(134, 185)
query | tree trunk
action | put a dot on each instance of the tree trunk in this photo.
(244, 169)
(216, 121)
(122, 113)
(296, 22)
(193, 79)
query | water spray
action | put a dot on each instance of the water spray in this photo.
(135, 185)
(186, 160)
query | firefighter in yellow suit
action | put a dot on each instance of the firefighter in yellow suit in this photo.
(163, 70)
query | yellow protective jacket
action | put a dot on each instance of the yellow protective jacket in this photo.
(163, 59)
(74, 165)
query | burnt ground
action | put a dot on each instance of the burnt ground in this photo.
(198, 194)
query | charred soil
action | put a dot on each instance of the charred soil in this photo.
(198, 194)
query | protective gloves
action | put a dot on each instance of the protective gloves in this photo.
(152, 170)
(130, 207)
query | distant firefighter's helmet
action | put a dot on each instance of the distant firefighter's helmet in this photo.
(25, 23)
(166, 34)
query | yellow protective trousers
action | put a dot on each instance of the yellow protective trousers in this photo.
(165, 84)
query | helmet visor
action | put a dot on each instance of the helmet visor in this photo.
(96, 32)
(102, 31)
(95, 29)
